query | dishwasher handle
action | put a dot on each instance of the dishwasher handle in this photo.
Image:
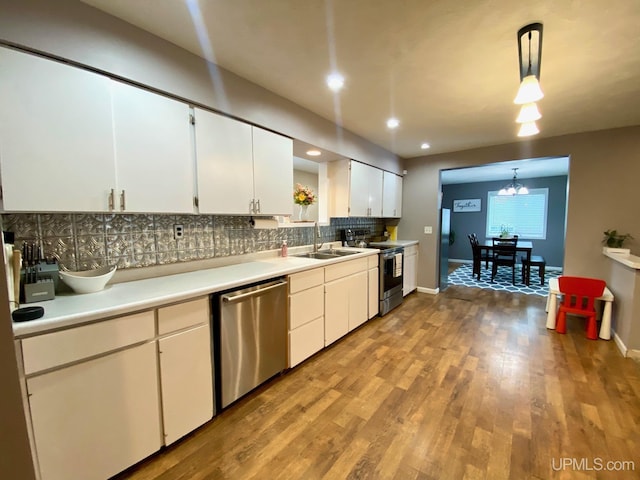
(236, 297)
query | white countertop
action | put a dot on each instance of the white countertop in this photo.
(394, 243)
(122, 298)
(627, 259)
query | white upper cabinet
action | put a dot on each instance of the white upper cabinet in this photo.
(356, 189)
(242, 170)
(272, 172)
(224, 164)
(391, 195)
(56, 138)
(153, 152)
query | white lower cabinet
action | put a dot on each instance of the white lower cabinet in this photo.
(410, 275)
(306, 315)
(96, 418)
(345, 298)
(186, 381)
(100, 394)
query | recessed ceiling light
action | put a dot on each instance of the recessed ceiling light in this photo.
(335, 81)
(314, 153)
(393, 123)
(424, 146)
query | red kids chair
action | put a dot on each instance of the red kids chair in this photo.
(579, 294)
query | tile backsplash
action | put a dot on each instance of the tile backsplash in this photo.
(90, 240)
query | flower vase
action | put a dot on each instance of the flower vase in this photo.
(303, 214)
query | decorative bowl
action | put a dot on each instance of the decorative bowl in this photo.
(88, 281)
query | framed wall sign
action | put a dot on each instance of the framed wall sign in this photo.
(467, 205)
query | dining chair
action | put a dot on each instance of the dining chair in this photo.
(504, 255)
(579, 294)
(479, 255)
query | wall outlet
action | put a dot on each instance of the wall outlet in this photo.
(178, 231)
(428, 230)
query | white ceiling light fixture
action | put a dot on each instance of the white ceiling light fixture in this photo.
(425, 146)
(393, 123)
(314, 153)
(335, 82)
(530, 90)
(514, 188)
(527, 129)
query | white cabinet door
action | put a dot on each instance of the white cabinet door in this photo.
(359, 190)
(272, 173)
(224, 162)
(186, 381)
(365, 191)
(306, 340)
(153, 151)
(358, 299)
(391, 195)
(94, 419)
(56, 137)
(410, 274)
(336, 310)
(374, 302)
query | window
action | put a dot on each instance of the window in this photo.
(523, 215)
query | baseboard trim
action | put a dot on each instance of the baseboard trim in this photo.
(620, 344)
(430, 291)
(634, 354)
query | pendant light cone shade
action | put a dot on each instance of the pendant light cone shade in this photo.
(528, 113)
(527, 129)
(529, 91)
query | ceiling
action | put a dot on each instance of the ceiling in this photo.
(527, 168)
(448, 70)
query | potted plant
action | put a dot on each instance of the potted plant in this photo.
(614, 241)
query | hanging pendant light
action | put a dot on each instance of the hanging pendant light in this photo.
(514, 188)
(528, 113)
(527, 129)
(530, 90)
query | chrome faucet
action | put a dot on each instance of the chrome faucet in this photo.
(316, 236)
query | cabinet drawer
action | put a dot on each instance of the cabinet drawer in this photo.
(410, 250)
(305, 341)
(372, 261)
(303, 280)
(305, 306)
(339, 270)
(183, 315)
(58, 348)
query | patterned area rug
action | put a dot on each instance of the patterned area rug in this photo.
(463, 276)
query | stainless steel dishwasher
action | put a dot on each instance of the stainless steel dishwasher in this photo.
(250, 335)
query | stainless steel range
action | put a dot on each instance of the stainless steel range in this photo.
(391, 267)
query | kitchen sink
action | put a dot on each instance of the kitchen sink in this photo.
(326, 254)
(318, 255)
(340, 253)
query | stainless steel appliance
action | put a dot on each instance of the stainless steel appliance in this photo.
(391, 270)
(250, 338)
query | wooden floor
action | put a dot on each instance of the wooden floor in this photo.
(465, 384)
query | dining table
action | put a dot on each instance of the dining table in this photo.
(522, 246)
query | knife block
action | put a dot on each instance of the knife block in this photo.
(46, 286)
(39, 291)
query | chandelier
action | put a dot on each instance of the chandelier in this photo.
(514, 188)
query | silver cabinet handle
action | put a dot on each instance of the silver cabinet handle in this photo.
(112, 200)
(236, 297)
(252, 206)
(122, 201)
(258, 206)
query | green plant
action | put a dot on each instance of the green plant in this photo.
(613, 239)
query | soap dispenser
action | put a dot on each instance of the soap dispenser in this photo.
(285, 249)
